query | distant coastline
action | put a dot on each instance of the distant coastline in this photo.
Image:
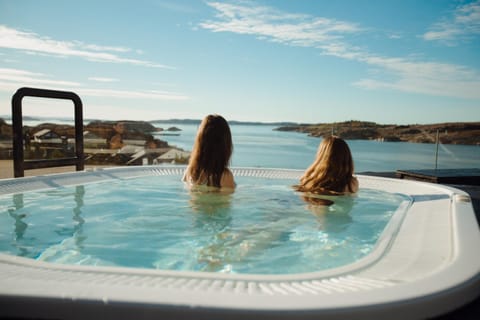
(162, 121)
(466, 133)
(231, 122)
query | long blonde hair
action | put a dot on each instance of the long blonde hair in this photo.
(332, 170)
(211, 152)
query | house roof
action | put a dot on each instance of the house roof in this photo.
(41, 133)
(173, 153)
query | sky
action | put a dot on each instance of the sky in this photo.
(390, 62)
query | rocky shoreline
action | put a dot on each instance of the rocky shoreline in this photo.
(139, 146)
(466, 133)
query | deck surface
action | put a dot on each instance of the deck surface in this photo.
(469, 176)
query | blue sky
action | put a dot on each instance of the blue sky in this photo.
(392, 61)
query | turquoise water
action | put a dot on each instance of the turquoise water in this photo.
(155, 222)
(261, 146)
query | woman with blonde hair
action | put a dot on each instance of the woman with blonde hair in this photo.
(211, 155)
(332, 171)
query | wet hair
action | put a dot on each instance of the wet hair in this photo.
(332, 170)
(211, 152)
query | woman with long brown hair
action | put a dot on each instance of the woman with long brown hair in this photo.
(332, 171)
(211, 155)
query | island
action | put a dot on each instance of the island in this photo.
(466, 133)
(140, 144)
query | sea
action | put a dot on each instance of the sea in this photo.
(263, 146)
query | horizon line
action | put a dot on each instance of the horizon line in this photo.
(9, 117)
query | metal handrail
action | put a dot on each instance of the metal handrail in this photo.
(19, 163)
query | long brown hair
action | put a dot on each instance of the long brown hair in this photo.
(332, 170)
(211, 152)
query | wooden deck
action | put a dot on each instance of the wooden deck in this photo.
(445, 176)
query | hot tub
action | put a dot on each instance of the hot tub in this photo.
(425, 263)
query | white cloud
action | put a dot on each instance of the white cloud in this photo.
(12, 79)
(394, 36)
(20, 78)
(426, 78)
(330, 37)
(31, 42)
(265, 22)
(463, 25)
(102, 79)
(153, 95)
(95, 47)
(121, 112)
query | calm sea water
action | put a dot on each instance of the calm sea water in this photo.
(261, 146)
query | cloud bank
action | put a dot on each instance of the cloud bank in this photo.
(33, 43)
(463, 25)
(12, 79)
(331, 37)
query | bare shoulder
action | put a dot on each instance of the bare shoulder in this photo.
(186, 174)
(227, 179)
(354, 185)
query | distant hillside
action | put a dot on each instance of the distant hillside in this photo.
(231, 122)
(467, 133)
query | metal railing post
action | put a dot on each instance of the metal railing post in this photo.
(19, 163)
